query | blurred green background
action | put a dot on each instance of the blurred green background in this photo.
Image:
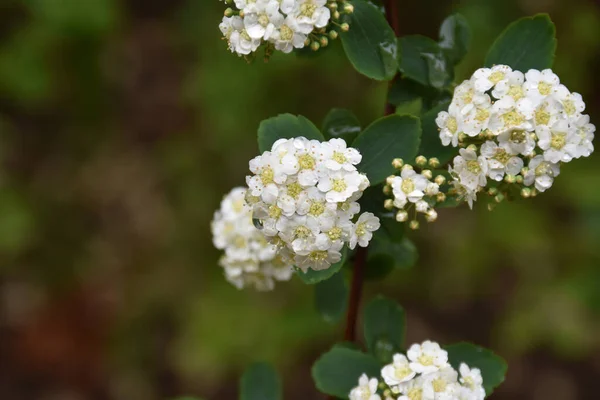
(123, 123)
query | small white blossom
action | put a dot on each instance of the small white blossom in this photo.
(398, 372)
(540, 84)
(500, 162)
(472, 383)
(470, 169)
(363, 230)
(559, 142)
(409, 186)
(427, 357)
(542, 173)
(366, 389)
(585, 132)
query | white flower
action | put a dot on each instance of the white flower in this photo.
(540, 85)
(363, 230)
(487, 78)
(442, 384)
(409, 186)
(340, 185)
(312, 14)
(472, 383)
(511, 86)
(366, 389)
(261, 24)
(477, 119)
(320, 255)
(248, 259)
(413, 390)
(427, 357)
(470, 169)
(572, 103)
(509, 115)
(585, 131)
(448, 125)
(287, 35)
(466, 98)
(398, 372)
(558, 142)
(542, 173)
(499, 161)
(338, 156)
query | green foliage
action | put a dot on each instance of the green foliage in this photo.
(331, 297)
(384, 328)
(423, 61)
(260, 382)
(455, 37)
(385, 139)
(336, 372)
(370, 44)
(525, 44)
(311, 276)
(341, 123)
(431, 145)
(493, 368)
(285, 126)
(386, 251)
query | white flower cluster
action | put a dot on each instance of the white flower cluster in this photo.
(283, 24)
(304, 195)
(513, 126)
(249, 260)
(422, 374)
(414, 189)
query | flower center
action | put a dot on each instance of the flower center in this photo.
(544, 88)
(516, 92)
(468, 97)
(274, 211)
(496, 77)
(307, 10)
(543, 169)
(263, 20)
(513, 118)
(482, 114)
(318, 255)
(425, 359)
(502, 156)
(439, 385)
(302, 232)
(316, 208)
(474, 168)
(569, 106)
(452, 125)
(335, 233)
(402, 372)
(407, 186)
(339, 185)
(294, 190)
(239, 242)
(518, 136)
(286, 33)
(360, 229)
(238, 205)
(469, 382)
(542, 117)
(306, 161)
(558, 141)
(267, 175)
(339, 157)
(245, 35)
(415, 394)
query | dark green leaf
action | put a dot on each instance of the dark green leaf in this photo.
(493, 368)
(341, 123)
(423, 61)
(385, 139)
(402, 254)
(260, 382)
(311, 276)
(525, 44)
(331, 297)
(285, 126)
(455, 37)
(405, 91)
(336, 372)
(431, 145)
(370, 44)
(384, 328)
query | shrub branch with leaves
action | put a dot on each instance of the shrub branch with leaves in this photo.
(325, 204)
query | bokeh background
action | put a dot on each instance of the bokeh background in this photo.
(122, 123)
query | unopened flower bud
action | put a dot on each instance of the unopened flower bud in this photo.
(491, 206)
(472, 147)
(407, 166)
(519, 179)
(332, 5)
(427, 173)
(431, 215)
(323, 41)
(441, 197)
(440, 179)
(434, 162)
(388, 204)
(387, 190)
(390, 179)
(397, 163)
(314, 46)
(499, 198)
(414, 225)
(228, 12)
(344, 27)
(401, 216)
(333, 35)
(509, 178)
(493, 191)
(526, 193)
(462, 137)
(421, 161)
(348, 8)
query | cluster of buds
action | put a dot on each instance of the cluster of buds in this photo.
(415, 190)
(283, 25)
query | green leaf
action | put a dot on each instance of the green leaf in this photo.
(493, 368)
(431, 145)
(455, 37)
(311, 276)
(525, 44)
(331, 297)
(405, 91)
(384, 328)
(285, 126)
(370, 44)
(336, 372)
(341, 123)
(260, 382)
(424, 61)
(385, 139)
